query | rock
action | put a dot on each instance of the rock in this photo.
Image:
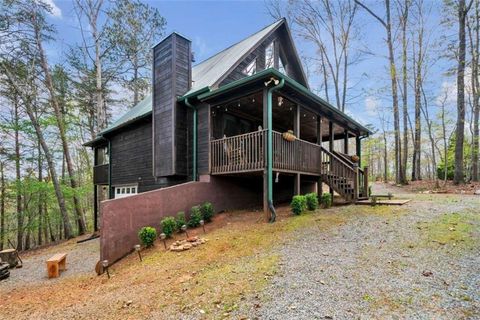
(477, 192)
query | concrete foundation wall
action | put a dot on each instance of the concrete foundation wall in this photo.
(122, 218)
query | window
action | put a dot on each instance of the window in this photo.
(102, 156)
(125, 191)
(269, 56)
(251, 69)
(281, 66)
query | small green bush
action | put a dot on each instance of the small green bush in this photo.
(169, 225)
(180, 220)
(312, 201)
(147, 236)
(195, 217)
(207, 211)
(326, 200)
(299, 204)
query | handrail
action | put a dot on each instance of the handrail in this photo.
(344, 156)
(337, 158)
(239, 136)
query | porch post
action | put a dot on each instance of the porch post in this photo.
(345, 142)
(296, 131)
(330, 145)
(319, 142)
(95, 207)
(359, 148)
(265, 150)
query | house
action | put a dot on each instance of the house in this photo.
(230, 116)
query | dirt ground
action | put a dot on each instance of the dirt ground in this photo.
(416, 261)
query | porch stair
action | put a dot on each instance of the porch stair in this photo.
(343, 176)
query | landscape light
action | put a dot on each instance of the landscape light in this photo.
(105, 266)
(163, 236)
(184, 228)
(202, 223)
(137, 248)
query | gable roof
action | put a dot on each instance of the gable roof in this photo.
(204, 74)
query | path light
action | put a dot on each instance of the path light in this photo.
(202, 223)
(105, 266)
(137, 248)
(184, 228)
(163, 236)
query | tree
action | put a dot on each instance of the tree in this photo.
(462, 11)
(387, 25)
(133, 30)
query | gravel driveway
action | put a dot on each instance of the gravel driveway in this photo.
(377, 266)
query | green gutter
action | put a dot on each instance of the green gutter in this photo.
(270, 148)
(194, 151)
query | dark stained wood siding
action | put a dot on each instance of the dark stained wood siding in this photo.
(204, 139)
(132, 158)
(171, 78)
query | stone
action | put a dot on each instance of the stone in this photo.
(477, 192)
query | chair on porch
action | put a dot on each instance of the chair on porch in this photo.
(235, 154)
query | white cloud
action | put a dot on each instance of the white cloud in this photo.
(56, 11)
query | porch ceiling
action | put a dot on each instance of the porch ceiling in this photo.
(296, 94)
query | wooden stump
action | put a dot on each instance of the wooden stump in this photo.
(9, 256)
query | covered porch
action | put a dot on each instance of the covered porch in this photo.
(272, 126)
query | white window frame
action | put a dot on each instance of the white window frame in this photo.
(251, 68)
(270, 61)
(124, 191)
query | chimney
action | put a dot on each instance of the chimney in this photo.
(172, 77)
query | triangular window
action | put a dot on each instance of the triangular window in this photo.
(269, 56)
(251, 69)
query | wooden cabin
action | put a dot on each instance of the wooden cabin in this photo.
(246, 113)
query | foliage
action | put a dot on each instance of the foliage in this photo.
(312, 201)
(195, 217)
(180, 220)
(326, 200)
(147, 236)
(169, 226)
(298, 204)
(207, 211)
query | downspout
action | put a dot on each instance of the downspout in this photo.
(270, 148)
(195, 121)
(110, 190)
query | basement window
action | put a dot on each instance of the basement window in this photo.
(125, 191)
(251, 69)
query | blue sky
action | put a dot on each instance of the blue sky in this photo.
(215, 25)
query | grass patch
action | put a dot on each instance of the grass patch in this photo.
(456, 229)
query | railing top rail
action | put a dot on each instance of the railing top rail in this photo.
(303, 141)
(345, 157)
(240, 135)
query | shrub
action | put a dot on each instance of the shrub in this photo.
(180, 220)
(195, 217)
(326, 200)
(299, 204)
(312, 201)
(147, 236)
(207, 211)
(169, 225)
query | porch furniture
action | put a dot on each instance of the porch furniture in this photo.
(55, 264)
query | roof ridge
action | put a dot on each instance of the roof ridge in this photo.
(238, 42)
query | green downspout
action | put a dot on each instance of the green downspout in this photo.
(195, 121)
(110, 190)
(270, 148)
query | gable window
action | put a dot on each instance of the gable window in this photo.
(269, 56)
(251, 69)
(125, 191)
(281, 66)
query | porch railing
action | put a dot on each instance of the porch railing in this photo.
(238, 154)
(340, 175)
(295, 156)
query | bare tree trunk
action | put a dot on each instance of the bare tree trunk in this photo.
(60, 124)
(399, 177)
(40, 196)
(474, 38)
(2, 205)
(385, 157)
(18, 182)
(418, 83)
(404, 23)
(459, 137)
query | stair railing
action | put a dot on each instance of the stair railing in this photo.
(340, 174)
